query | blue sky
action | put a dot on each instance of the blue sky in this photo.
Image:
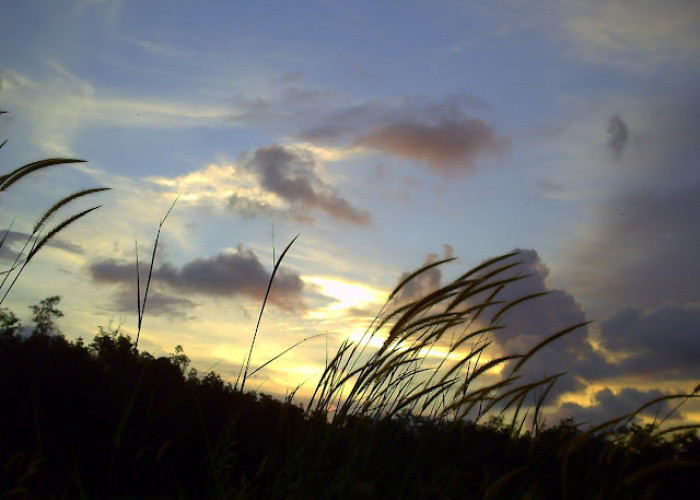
(386, 134)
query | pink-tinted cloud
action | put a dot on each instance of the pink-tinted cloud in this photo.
(449, 146)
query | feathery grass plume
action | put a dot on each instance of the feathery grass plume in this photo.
(40, 235)
(397, 377)
(141, 302)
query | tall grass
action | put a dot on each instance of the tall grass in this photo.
(42, 232)
(432, 360)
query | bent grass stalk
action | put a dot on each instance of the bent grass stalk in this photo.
(141, 303)
(40, 235)
(262, 309)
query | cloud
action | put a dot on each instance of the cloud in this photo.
(274, 180)
(640, 247)
(10, 80)
(447, 146)
(14, 240)
(223, 275)
(290, 174)
(158, 304)
(660, 343)
(618, 135)
(67, 104)
(438, 132)
(153, 48)
(531, 322)
(630, 32)
(644, 252)
(608, 405)
(426, 282)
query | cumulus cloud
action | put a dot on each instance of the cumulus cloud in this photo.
(531, 322)
(291, 175)
(425, 282)
(223, 275)
(618, 135)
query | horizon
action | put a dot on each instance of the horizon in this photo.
(386, 138)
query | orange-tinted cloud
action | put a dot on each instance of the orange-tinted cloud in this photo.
(448, 146)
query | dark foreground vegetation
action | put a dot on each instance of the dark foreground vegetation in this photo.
(106, 421)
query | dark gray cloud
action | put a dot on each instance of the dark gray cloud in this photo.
(447, 146)
(645, 250)
(661, 343)
(608, 405)
(618, 135)
(291, 175)
(158, 304)
(223, 275)
(641, 248)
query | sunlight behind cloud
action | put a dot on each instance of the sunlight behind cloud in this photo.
(217, 184)
(347, 294)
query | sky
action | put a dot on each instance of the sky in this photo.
(386, 135)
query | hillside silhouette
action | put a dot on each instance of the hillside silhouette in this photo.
(103, 420)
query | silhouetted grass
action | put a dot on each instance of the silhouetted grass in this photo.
(41, 234)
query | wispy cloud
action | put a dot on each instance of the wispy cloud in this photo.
(14, 240)
(11, 80)
(153, 48)
(631, 33)
(67, 104)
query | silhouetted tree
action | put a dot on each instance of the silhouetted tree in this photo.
(9, 323)
(44, 315)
